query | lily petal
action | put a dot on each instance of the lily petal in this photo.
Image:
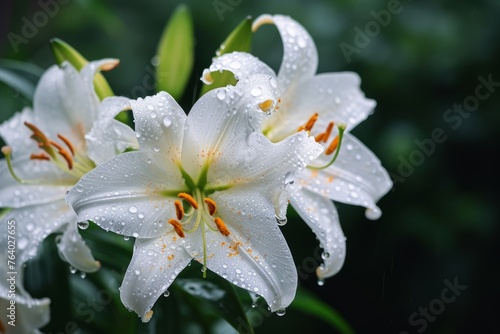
(123, 192)
(153, 268)
(221, 121)
(89, 71)
(242, 64)
(300, 57)
(321, 216)
(159, 125)
(108, 136)
(34, 224)
(31, 314)
(255, 256)
(73, 249)
(357, 177)
(16, 135)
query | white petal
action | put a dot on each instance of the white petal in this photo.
(108, 136)
(63, 104)
(357, 176)
(74, 250)
(88, 71)
(255, 256)
(242, 64)
(154, 266)
(124, 194)
(336, 97)
(321, 216)
(17, 135)
(31, 314)
(159, 125)
(221, 121)
(34, 224)
(300, 57)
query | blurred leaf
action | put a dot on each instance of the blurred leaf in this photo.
(21, 66)
(176, 53)
(308, 303)
(63, 51)
(240, 39)
(221, 296)
(17, 83)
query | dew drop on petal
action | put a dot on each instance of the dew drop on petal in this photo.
(153, 115)
(281, 220)
(373, 213)
(137, 272)
(281, 312)
(83, 275)
(321, 282)
(132, 209)
(221, 94)
(235, 64)
(167, 122)
(151, 107)
(325, 255)
(166, 293)
(79, 188)
(135, 235)
(126, 238)
(83, 225)
(256, 91)
(72, 269)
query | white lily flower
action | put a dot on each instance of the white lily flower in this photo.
(328, 106)
(51, 147)
(21, 314)
(205, 187)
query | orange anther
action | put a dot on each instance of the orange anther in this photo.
(333, 146)
(179, 210)
(319, 138)
(177, 227)
(188, 198)
(266, 105)
(68, 143)
(212, 207)
(221, 227)
(328, 131)
(56, 145)
(41, 156)
(69, 160)
(310, 123)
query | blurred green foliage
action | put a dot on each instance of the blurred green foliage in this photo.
(440, 221)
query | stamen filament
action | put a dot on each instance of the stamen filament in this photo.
(41, 139)
(212, 206)
(179, 210)
(221, 227)
(177, 227)
(188, 198)
(334, 146)
(68, 143)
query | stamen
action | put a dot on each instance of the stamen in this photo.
(310, 123)
(212, 207)
(327, 132)
(221, 227)
(179, 210)
(65, 154)
(319, 138)
(177, 227)
(41, 139)
(266, 105)
(7, 150)
(56, 145)
(333, 146)
(41, 156)
(188, 198)
(68, 143)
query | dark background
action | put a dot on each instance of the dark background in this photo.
(440, 221)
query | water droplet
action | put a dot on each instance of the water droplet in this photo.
(301, 42)
(256, 91)
(83, 225)
(22, 243)
(373, 213)
(235, 64)
(273, 82)
(203, 269)
(289, 178)
(155, 61)
(281, 220)
(321, 282)
(221, 94)
(83, 275)
(137, 272)
(167, 122)
(325, 255)
(132, 209)
(156, 149)
(153, 115)
(281, 312)
(166, 293)
(151, 107)
(79, 188)
(72, 269)
(126, 238)
(140, 215)
(338, 100)
(135, 235)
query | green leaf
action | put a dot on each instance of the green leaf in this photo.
(221, 296)
(175, 53)
(308, 303)
(240, 39)
(17, 83)
(64, 52)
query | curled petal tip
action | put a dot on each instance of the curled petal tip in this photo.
(261, 20)
(373, 213)
(147, 316)
(206, 78)
(109, 65)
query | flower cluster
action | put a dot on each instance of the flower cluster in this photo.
(212, 185)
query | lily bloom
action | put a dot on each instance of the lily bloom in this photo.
(204, 186)
(68, 132)
(327, 106)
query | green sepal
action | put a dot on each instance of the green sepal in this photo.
(175, 54)
(240, 39)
